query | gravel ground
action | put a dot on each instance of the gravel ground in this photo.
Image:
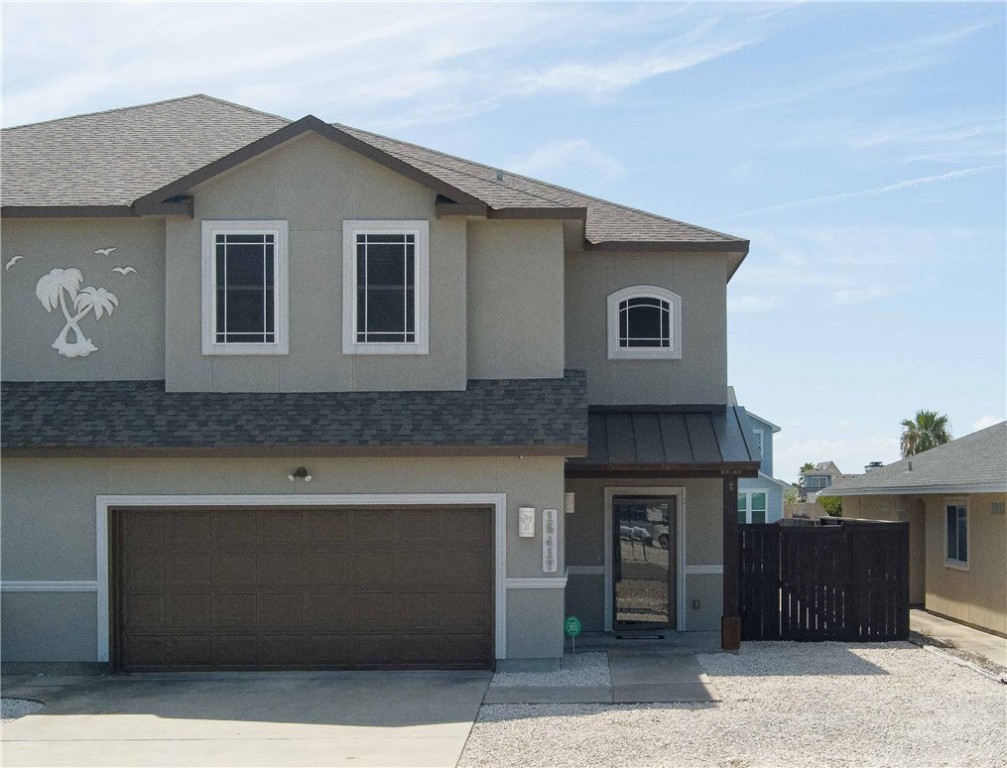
(785, 704)
(12, 709)
(579, 669)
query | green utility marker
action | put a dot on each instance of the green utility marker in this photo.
(572, 627)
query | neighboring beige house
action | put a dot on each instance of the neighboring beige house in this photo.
(288, 394)
(953, 497)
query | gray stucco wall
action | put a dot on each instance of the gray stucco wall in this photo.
(700, 377)
(130, 341)
(47, 529)
(314, 185)
(515, 301)
(585, 548)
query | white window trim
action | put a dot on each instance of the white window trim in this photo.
(674, 352)
(280, 305)
(761, 434)
(747, 495)
(958, 565)
(419, 228)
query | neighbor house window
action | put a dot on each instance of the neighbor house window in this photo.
(956, 514)
(385, 287)
(244, 287)
(759, 437)
(644, 322)
(752, 506)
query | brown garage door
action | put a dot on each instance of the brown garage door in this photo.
(302, 588)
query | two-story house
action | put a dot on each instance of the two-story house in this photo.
(760, 499)
(818, 479)
(290, 395)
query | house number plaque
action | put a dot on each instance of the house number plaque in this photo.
(549, 540)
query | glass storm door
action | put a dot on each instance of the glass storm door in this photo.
(643, 564)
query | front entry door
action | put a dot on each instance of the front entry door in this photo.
(643, 563)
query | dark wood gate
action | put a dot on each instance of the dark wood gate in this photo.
(845, 580)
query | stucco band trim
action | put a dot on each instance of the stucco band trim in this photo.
(497, 500)
(49, 586)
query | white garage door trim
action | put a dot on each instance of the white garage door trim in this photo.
(497, 500)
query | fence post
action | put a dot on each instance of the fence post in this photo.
(730, 621)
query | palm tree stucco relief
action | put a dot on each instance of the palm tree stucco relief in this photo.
(53, 290)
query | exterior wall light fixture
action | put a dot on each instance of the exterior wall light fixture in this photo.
(300, 474)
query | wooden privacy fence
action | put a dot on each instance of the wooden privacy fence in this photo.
(845, 580)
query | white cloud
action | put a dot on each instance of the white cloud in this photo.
(907, 184)
(985, 421)
(562, 155)
(752, 303)
(845, 296)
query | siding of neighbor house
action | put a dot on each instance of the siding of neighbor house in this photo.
(976, 596)
(585, 548)
(48, 530)
(130, 341)
(700, 377)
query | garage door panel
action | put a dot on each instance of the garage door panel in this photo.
(327, 609)
(234, 527)
(188, 651)
(234, 569)
(183, 609)
(376, 525)
(234, 609)
(327, 526)
(188, 568)
(283, 609)
(234, 651)
(326, 566)
(277, 525)
(372, 569)
(143, 569)
(280, 567)
(310, 588)
(143, 610)
(191, 527)
(281, 650)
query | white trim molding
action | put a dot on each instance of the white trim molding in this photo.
(536, 583)
(49, 586)
(702, 570)
(420, 228)
(281, 297)
(656, 491)
(496, 500)
(674, 349)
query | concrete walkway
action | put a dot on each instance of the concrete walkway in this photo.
(964, 638)
(288, 719)
(638, 677)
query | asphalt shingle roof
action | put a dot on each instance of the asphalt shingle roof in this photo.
(139, 416)
(974, 462)
(114, 158)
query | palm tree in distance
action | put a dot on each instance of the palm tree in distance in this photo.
(52, 290)
(926, 431)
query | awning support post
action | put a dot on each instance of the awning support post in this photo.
(730, 621)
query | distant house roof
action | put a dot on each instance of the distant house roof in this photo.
(628, 440)
(825, 468)
(130, 161)
(732, 399)
(489, 417)
(976, 463)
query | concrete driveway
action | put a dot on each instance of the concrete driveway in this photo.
(280, 719)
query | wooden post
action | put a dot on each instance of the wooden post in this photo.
(730, 622)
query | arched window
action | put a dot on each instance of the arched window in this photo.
(644, 322)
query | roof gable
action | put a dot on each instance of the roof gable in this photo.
(138, 160)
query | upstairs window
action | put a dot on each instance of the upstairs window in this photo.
(644, 322)
(244, 287)
(385, 287)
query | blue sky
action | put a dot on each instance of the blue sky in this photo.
(861, 148)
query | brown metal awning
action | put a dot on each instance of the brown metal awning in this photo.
(668, 441)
